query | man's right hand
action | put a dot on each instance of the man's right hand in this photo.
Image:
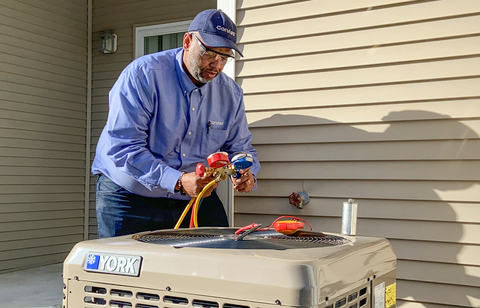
(192, 184)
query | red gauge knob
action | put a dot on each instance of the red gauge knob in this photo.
(218, 160)
(200, 170)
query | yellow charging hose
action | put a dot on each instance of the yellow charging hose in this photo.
(195, 202)
(179, 222)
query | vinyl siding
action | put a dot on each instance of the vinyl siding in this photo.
(43, 62)
(376, 101)
(122, 17)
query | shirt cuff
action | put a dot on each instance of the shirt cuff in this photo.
(170, 179)
(255, 180)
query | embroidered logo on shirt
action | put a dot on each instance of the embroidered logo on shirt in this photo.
(215, 122)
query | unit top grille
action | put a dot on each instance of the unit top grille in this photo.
(225, 238)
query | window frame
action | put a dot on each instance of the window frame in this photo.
(141, 32)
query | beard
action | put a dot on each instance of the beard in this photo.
(194, 68)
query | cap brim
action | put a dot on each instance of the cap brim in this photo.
(216, 41)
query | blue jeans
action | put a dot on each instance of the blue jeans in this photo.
(120, 212)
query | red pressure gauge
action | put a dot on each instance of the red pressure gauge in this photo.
(218, 160)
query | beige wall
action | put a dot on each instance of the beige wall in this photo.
(43, 63)
(372, 100)
(121, 17)
(377, 101)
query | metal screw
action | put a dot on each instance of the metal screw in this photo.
(75, 277)
(278, 302)
(168, 289)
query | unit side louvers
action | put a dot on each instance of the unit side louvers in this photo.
(104, 297)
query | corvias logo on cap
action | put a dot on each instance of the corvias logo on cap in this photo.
(229, 31)
(113, 264)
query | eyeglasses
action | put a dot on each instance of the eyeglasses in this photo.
(211, 55)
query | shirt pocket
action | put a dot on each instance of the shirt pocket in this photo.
(214, 140)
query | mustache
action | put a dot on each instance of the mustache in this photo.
(212, 71)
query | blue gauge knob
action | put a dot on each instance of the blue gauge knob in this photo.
(241, 161)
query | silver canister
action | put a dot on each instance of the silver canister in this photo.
(349, 218)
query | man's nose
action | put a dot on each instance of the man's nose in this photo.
(216, 63)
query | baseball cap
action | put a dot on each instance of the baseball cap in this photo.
(216, 29)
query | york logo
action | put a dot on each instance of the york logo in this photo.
(113, 264)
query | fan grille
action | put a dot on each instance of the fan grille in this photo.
(225, 238)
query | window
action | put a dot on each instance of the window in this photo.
(150, 39)
(162, 42)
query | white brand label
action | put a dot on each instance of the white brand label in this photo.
(113, 264)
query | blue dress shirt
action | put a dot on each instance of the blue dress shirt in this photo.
(160, 125)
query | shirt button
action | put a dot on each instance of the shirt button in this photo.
(193, 108)
(189, 133)
(184, 155)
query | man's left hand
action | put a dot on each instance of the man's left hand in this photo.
(245, 183)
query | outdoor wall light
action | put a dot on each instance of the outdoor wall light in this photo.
(107, 42)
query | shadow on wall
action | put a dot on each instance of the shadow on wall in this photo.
(454, 148)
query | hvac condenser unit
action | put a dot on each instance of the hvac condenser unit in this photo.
(213, 268)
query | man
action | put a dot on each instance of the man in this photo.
(167, 112)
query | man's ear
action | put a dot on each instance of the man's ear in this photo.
(187, 41)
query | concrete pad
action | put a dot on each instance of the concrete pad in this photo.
(40, 287)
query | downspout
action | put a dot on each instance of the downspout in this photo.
(227, 193)
(89, 121)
